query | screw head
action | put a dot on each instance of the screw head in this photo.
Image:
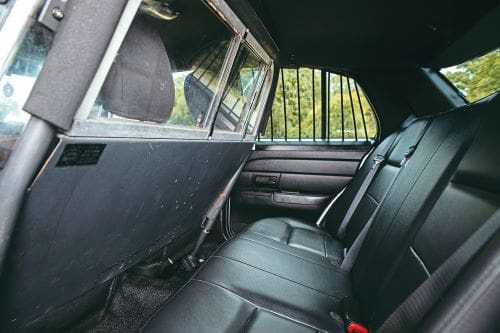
(57, 13)
(8, 90)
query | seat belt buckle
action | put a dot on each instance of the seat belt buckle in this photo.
(353, 327)
(407, 155)
(379, 159)
(351, 316)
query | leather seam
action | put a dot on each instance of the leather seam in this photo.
(291, 254)
(373, 198)
(278, 276)
(250, 318)
(258, 306)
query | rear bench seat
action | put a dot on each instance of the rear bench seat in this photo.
(283, 275)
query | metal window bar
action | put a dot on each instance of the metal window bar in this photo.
(284, 102)
(342, 106)
(323, 105)
(298, 103)
(234, 105)
(325, 123)
(214, 49)
(209, 53)
(272, 126)
(352, 109)
(216, 57)
(361, 110)
(314, 106)
(328, 106)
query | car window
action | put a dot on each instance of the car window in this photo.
(316, 105)
(476, 78)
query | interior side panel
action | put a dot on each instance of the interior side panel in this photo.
(140, 195)
(298, 180)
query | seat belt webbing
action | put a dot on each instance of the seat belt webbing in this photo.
(379, 160)
(352, 253)
(409, 314)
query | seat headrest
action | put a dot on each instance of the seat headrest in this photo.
(140, 84)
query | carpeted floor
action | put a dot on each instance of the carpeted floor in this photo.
(136, 297)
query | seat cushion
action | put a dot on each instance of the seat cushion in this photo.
(293, 295)
(297, 238)
(259, 283)
(205, 307)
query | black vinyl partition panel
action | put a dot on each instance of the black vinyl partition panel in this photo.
(55, 97)
(100, 206)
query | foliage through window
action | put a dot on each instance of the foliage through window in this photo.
(476, 78)
(317, 105)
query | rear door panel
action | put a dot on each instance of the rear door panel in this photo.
(293, 180)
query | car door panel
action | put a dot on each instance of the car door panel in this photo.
(296, 180)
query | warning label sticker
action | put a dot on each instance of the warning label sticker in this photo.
(81, 154)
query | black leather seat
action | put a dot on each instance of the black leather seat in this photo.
(282, 275)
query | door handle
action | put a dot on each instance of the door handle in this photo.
(266, 180)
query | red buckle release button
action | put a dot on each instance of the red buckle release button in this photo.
(356, 328)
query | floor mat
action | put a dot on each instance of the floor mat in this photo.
(136, 297)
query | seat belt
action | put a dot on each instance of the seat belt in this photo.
(410, 313)
(351, 254)
(379, 160)
(191, 261)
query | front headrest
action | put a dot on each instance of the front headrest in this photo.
(140, 84)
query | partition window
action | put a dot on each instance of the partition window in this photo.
(195, 43)
(243, 87)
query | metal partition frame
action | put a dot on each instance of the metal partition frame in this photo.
(85, 127)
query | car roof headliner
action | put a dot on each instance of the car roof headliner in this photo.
(350, 35)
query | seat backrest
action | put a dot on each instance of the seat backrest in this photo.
(400, 143)
(457, 191)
